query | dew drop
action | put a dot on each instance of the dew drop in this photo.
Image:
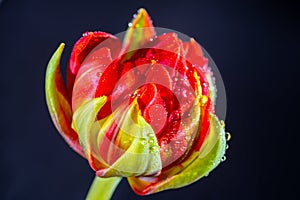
(99, 74)
(222, 124)
(187, 137)
(151, 141)
(143, 142)
(204, 99)
(228, 136)
(154, 149)
(223, 158)
(227, 146)
(129, 24)
(182, 149)
(164, 141)
(150, 134)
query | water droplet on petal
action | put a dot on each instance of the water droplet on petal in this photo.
(99, 74)
(129, 24)
(222, 124)
(187, 137)
(228, 136)
(143, 141)
(154, 149)
(151, 134)
(151, 140)
(223, 158)
(204, 99)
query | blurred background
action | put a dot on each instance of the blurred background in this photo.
(253, 43)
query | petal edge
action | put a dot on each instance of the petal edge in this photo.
(58, 101)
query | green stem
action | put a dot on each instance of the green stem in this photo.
(103, 188)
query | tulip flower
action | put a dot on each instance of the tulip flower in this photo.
(142, 109)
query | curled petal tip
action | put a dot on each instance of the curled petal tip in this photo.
(62, 45)
(139, 32)
(142, 10)
(143, 14)
(84, 46)
(58, 101)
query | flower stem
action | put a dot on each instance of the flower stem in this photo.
(103, 188)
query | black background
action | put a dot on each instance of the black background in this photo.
(254, 44)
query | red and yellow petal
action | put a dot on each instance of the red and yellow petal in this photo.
(59, 103)
(200, 119)
(88, 76)
(194, 55)
(131, 140)
(139, 32)
(84, 46)
(208, 158)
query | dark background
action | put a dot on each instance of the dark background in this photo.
(254, 44)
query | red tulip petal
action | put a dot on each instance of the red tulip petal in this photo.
(84, 46)
(88, 76)
(59, 103)
(158, 74)
(152, 107)
(175, 163)
(194, 55)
